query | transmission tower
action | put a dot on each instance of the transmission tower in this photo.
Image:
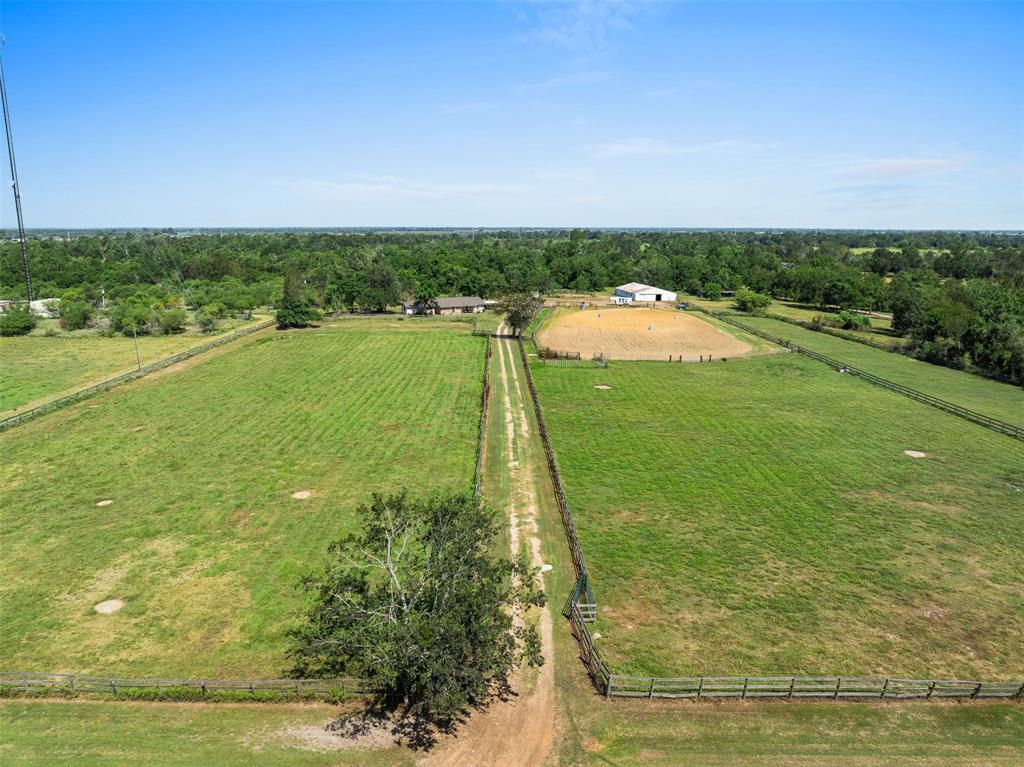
(14, 179)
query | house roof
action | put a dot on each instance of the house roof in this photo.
(458, 302)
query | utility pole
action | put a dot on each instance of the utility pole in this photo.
(14, 180)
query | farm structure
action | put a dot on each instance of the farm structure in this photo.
(447, 305)
(636, 291)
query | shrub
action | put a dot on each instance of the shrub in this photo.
(749, 301)
(207, 322)
(17, 321)
(75, 315)
(712, 291)
(131, 316)
(173, 321)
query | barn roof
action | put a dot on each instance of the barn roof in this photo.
(639, 287)
(458, 302)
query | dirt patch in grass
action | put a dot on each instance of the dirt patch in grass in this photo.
(915, 454)
(104, 502)
(602, 387)
(301, 495)
(109, 606)
(342, 735)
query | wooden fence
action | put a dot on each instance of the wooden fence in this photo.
(581, 610)
(970, 415)
(110, 383)
(485, 398)
(790, 687)
(81, 683)
(905, 349)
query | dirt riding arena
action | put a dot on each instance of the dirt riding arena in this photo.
(639, 334)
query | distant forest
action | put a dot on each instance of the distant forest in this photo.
(958, 295)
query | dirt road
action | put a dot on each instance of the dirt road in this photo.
(518, 732)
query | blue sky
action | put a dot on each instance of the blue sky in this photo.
(883, 115)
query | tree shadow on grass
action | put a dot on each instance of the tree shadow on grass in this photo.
(406, 727)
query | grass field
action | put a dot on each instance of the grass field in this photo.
(203, 541)
(994, 399)
(760, 517)
(175, 735)
(37, 368)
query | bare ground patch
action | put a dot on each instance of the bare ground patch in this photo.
(640, 334)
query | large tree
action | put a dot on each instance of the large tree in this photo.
(295, 310)
(520, 309)
(418, 604)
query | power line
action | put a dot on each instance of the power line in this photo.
(14, 179)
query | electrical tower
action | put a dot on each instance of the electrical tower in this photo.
(14, 179)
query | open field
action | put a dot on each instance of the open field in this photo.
(760, 517)
(37, 368)
(176, 735)
(992, 398)
(203, 540)
(638, 334)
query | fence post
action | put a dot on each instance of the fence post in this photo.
(976, 690)
(746, 679)
(931, 689)
(700, 688)
(839, 683)
(885, 687)
(650, 691)
(792, 684)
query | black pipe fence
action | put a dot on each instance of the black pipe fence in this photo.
(970, 415)
(110, 383)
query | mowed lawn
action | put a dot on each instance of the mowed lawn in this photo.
(760, 517)
(991, 398)
(203, 540)
(36, 368)
(109, 733)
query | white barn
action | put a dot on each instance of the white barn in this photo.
(634, 291)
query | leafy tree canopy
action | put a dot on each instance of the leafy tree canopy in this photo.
(418, 604)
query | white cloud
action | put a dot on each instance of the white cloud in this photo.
(656, 147)
(583, 26)
(898, 167)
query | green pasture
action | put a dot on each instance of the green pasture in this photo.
(175, 735)
(992, 398)
(203, 541)
(760, 517)
(36, 368)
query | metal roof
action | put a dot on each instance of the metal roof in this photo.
(458, 302)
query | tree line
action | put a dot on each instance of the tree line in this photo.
(958, 295)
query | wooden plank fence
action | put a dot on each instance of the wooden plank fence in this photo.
(981, 419)
(22, 681)
(793, 687)
(581, 610)
(89, 391)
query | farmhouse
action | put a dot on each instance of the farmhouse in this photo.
(635, 291)
(447, 305)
